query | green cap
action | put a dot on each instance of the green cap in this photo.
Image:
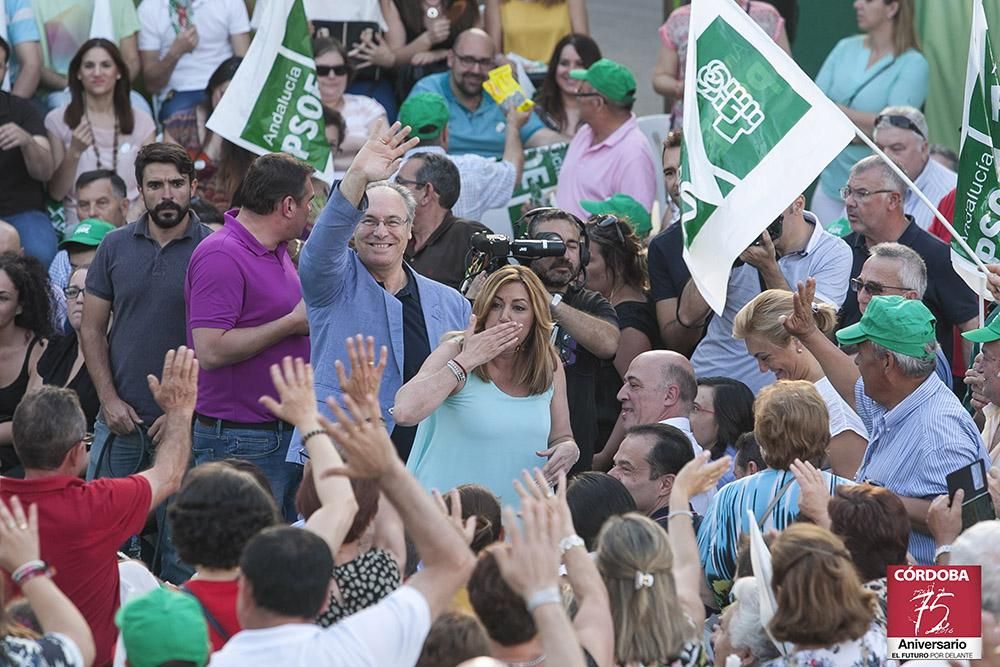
(610, 79)
(88, 232)
(987, 334)
(623, 206)
(426, 114)
(898, 324)
(161, 626)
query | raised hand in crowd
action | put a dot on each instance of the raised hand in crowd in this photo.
(801, 323)
(377, 160)
(697, 476)
(366, 372)
(814, 495)
(944, 520)
(176, 392)
(453, 511)
(592, 623)
(974, 380)
(529, 564)
(296, 404)
(20, 553)
(993, 280)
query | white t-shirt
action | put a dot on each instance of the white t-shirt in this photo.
(389, 633)
(359, 112)
(683, 424)
(842, 417)
(216, 21)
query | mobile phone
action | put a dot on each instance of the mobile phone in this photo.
(976, 505)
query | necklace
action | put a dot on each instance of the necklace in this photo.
(114, 145)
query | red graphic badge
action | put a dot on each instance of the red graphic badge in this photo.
(935, 612)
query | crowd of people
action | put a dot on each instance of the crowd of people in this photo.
(249, 417)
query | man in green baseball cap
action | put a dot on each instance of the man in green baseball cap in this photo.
(82, 244)
(486, 183)
(918, 430)
(164, 626)
(625, 207)
(609, 154)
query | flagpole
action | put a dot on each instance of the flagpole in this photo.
(955, 236)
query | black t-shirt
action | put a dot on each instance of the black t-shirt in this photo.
(54, 367)
(947, 296)
(637, 315)
(668, 273)
(20, 191)
(581, 372)
(416, 349)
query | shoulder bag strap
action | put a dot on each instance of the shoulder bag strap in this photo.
(209, 616)
(774, 501)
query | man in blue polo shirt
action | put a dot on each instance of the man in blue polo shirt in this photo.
(477, 125)
(918, 430)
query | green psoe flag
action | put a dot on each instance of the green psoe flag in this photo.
(977, 195)
(273, 103)
(757, 132)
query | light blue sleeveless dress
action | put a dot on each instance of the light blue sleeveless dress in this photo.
(482, 436)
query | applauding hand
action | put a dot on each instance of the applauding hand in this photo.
(293, 381)
(366, 374)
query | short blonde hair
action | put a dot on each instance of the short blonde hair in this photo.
(819, 596)
(650, 627)
(762, 317)
(791, 422)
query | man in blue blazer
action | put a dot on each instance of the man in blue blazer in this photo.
(369, 289)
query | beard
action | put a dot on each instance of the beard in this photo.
(471, 84)
(163, 222)
(551, 276)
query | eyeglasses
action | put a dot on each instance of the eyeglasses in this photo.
(901, 122)
(860, 194)
(608, 220)
(579, 94)
(391, 223)
(469, 61)
(874, 289)
(72, 292)
(325, 70)
(698, 408)
(407, 182)
(87, 440)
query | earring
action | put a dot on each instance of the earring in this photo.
(798, 350)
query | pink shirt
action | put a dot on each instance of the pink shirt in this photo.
(621, 163)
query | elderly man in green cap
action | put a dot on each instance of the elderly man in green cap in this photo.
(918, 430)
(486, 183)
(164, 627)
(609, 153)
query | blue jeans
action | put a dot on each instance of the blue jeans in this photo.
(180, 101)
(38, 237)
(114, 455)
(265, 448)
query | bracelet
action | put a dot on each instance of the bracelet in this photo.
(30, 570)
(459, 364)
(542, 597)
(567, 543)
(457, 371)
(688, 513)
(315, 431)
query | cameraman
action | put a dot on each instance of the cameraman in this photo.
(586, 323)
(801, 249)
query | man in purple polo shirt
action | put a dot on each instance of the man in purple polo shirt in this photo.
(610, 153)
(245, 312)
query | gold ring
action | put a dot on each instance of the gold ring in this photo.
(383, 140)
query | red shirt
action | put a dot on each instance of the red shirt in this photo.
(217, 598)
(81, 525)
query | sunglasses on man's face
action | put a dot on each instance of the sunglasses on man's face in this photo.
(325, 70)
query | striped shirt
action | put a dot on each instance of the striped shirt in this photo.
(935, 181)
(726, 520)
(913, 446)
(485, 183)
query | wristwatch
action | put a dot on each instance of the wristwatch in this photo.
(556, 299)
